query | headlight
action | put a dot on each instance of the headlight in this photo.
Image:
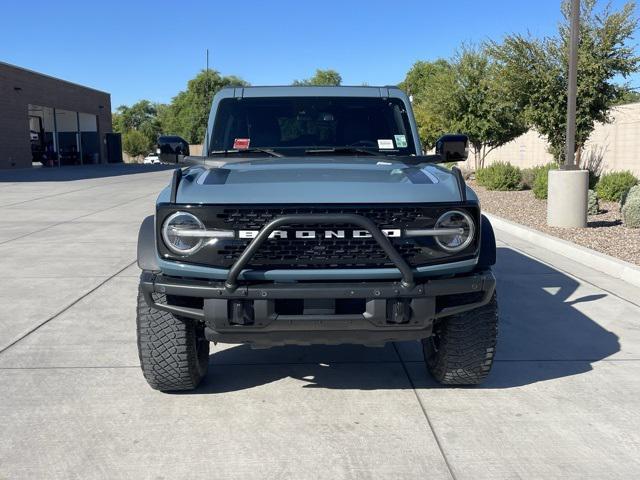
(182, 233)
(457, 220)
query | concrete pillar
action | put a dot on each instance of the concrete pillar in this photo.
(567, 198)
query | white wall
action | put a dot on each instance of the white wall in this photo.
(619, 139)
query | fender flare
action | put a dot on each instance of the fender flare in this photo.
(147, 256)
(487, 244)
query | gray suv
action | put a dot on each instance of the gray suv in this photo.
(313, 217)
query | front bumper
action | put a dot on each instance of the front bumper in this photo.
(253, 313)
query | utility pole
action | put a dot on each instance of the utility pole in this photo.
(568, 187)
(572, 88)
(207, 73)
(205, 143)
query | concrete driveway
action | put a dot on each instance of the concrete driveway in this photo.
(563, 400)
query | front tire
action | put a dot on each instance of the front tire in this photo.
(174, 353)
(463, 346)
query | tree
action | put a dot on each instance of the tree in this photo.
(117, 124)
(189, 110)
(463, 96)
(321, 77)
(164, 118)
(135, 143)
(420, 77)
(142, 117)
(535, 72)
(480, 109)
(430, 85)
(630, 96)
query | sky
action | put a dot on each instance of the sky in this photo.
(150, 49)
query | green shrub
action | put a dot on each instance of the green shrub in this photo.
(135, 144)
(631, 208)
(529, 176)
(612, 186)
(500, 176)
(593, 206)
(541, 180)
(633, 192)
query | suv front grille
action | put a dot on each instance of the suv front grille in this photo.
(256, 218)
(319, 252)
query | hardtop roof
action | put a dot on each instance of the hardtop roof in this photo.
(315, 91)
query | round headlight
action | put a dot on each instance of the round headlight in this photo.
(455, 219)
(180, 233)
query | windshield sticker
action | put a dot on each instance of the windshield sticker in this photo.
(401, 141)
(385, 144)
(241, 143)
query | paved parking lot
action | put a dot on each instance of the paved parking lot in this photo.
(563, 400)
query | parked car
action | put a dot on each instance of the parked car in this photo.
(151, 158)
(313, 218)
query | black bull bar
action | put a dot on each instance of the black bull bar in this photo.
(231, 282)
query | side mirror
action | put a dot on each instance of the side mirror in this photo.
(453, 148)
(172, 149)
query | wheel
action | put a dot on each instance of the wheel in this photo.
(462, 347)
(174, 353)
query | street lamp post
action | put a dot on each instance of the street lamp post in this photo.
(572, 88)
(568, 187)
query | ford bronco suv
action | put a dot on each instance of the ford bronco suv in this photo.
(313, 217)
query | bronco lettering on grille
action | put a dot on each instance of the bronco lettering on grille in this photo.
(307, 234)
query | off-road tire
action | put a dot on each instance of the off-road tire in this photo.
(174, 354)
(463, 346)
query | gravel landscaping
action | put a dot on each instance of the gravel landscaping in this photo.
(605, 232)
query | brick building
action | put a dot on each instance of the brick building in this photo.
(45, 120)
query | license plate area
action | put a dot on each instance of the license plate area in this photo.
(318, 314)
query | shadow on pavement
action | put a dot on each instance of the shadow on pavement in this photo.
(543, 336)
(68, 173)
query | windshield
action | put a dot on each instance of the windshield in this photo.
(296, 124)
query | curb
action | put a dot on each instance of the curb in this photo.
(614, 267)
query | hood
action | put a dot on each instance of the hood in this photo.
(295, 180)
